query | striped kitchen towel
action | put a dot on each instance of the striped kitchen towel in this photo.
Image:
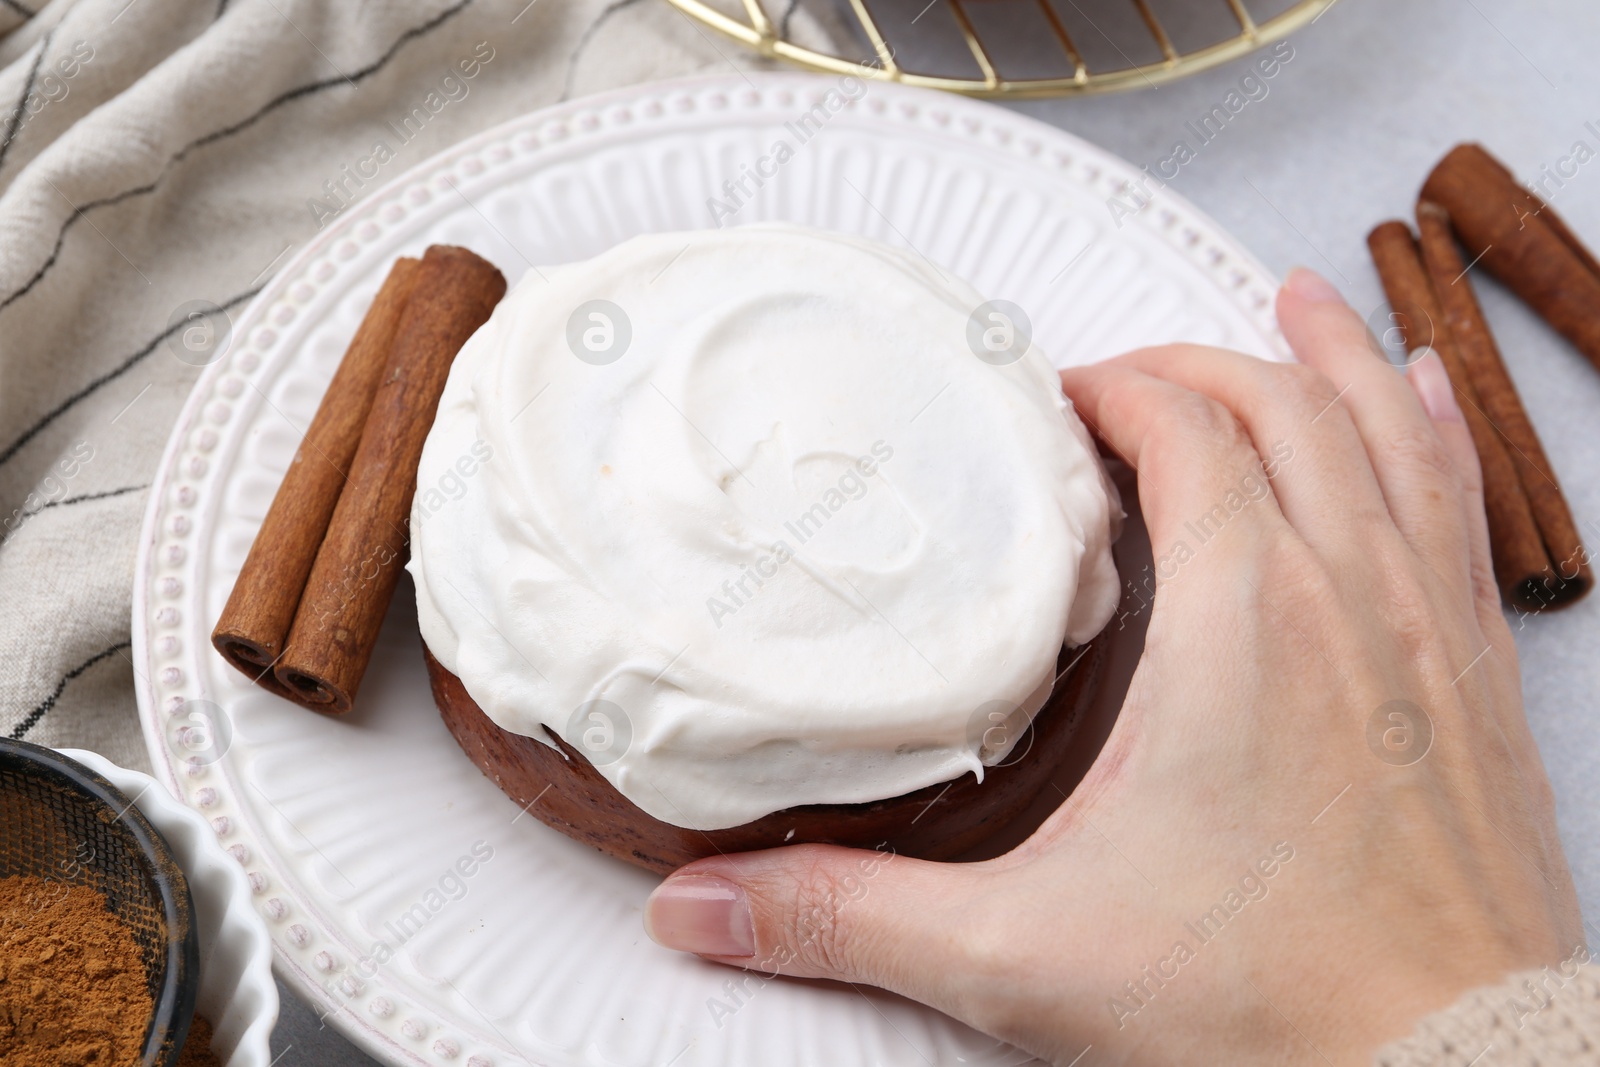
(155, 153)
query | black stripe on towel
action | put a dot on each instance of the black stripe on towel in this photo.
(14, 124)
(116, 372)
(228, 131)
(86, 497)
(31, 720)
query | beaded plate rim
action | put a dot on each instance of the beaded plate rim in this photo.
(169, 672)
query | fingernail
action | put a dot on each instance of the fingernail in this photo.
(702, 914)
(1307, 284)
(1432, 384)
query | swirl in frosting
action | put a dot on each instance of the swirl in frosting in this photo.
(742, 516)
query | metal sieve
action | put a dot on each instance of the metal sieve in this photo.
(63, 822)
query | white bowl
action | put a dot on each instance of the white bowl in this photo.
(237, 993)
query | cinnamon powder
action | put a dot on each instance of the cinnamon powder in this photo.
(197, 1046)
(73, 990)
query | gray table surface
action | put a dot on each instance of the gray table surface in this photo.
(1375, 93)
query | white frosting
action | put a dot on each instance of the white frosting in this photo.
(798, 533)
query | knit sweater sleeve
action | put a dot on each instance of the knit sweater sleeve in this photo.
(1544, 1018)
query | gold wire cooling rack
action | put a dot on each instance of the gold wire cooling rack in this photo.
(769, 36)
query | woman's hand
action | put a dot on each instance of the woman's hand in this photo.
(1320, 814)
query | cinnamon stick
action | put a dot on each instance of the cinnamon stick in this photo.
(254, 624)
(1503, 407)
(1535, 204)
(1521, 565)
(1521, 241)
(358, 565)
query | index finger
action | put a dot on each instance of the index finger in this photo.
(1199, 474)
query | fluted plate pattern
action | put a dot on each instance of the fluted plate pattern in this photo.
(348, 829)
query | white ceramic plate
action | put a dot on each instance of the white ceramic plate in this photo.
(236, 991)
(349, 830)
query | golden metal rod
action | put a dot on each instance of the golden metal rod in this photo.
(759, 20)
(1154, 26)
(879, 45)
(990, 77)
(1247, 25)
(1079, 68)
(718, 21)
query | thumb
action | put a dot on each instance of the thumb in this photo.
(821, 911)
